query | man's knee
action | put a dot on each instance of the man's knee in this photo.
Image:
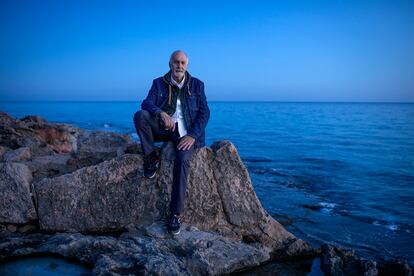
(184, 156)
(140, 117)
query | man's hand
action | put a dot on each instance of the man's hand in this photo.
(168, 121)
(186, 143)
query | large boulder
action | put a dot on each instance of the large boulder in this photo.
(112, 195)
(98, 198)
(16, 204)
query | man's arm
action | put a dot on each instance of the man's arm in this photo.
(202, 117)
(149, 103)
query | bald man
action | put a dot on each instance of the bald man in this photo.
(175, 110)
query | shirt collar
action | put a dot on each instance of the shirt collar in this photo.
(176, 83)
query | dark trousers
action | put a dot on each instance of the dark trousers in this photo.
(150, 131)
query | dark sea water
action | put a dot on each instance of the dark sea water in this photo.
(341, 173)
(43, 266)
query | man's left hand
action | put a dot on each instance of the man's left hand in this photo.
(186, 143)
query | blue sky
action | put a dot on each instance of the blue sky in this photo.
(242, 50)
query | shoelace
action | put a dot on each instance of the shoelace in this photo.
(175, 220)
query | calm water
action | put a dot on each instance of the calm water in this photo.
(341, 173)
(43, 266)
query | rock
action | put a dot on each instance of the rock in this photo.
(300, 267)
(33, 120)
(191, 253)
(12, 228)
(3, 150)
(156, 230)
(42, 149)
(27, 228)
(62, 137)
(5, 119)
(16, 205)
(203, 206)
(338, 262)
(218, 184)
(98, 146)
(396, 267)
(71, 162)
(50, 166)
(134, 148)
(20, 154)
(51, 149)
(245, 208)
(104, 197)
(37, 134)
(112, 195)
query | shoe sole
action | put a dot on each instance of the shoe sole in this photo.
(149, 177)
(152, 176)
(175, 233)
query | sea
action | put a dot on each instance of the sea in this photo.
(338, 173)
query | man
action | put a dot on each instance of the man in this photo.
(175, 110)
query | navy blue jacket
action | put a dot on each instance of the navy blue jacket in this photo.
(196, 107)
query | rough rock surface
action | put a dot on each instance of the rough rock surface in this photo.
(16, 205)
(45, 147)
(153, 251)
(97, 146)
(3, 150)
(35, 133)
(20, 154)
(112, 194)
(338, 262)
(50, 165)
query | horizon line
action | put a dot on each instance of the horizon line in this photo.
(210, 101)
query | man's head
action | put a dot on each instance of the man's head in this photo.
(178, 64)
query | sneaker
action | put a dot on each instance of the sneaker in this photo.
(174, 224)
(151, 164)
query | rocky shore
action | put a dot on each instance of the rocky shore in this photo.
(79, 194)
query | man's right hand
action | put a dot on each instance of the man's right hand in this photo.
(168, 121)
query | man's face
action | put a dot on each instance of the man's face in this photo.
(178, 65)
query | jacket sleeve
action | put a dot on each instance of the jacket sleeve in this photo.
(149, 104)
(203, 116)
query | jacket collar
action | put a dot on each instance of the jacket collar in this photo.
(167, 78)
